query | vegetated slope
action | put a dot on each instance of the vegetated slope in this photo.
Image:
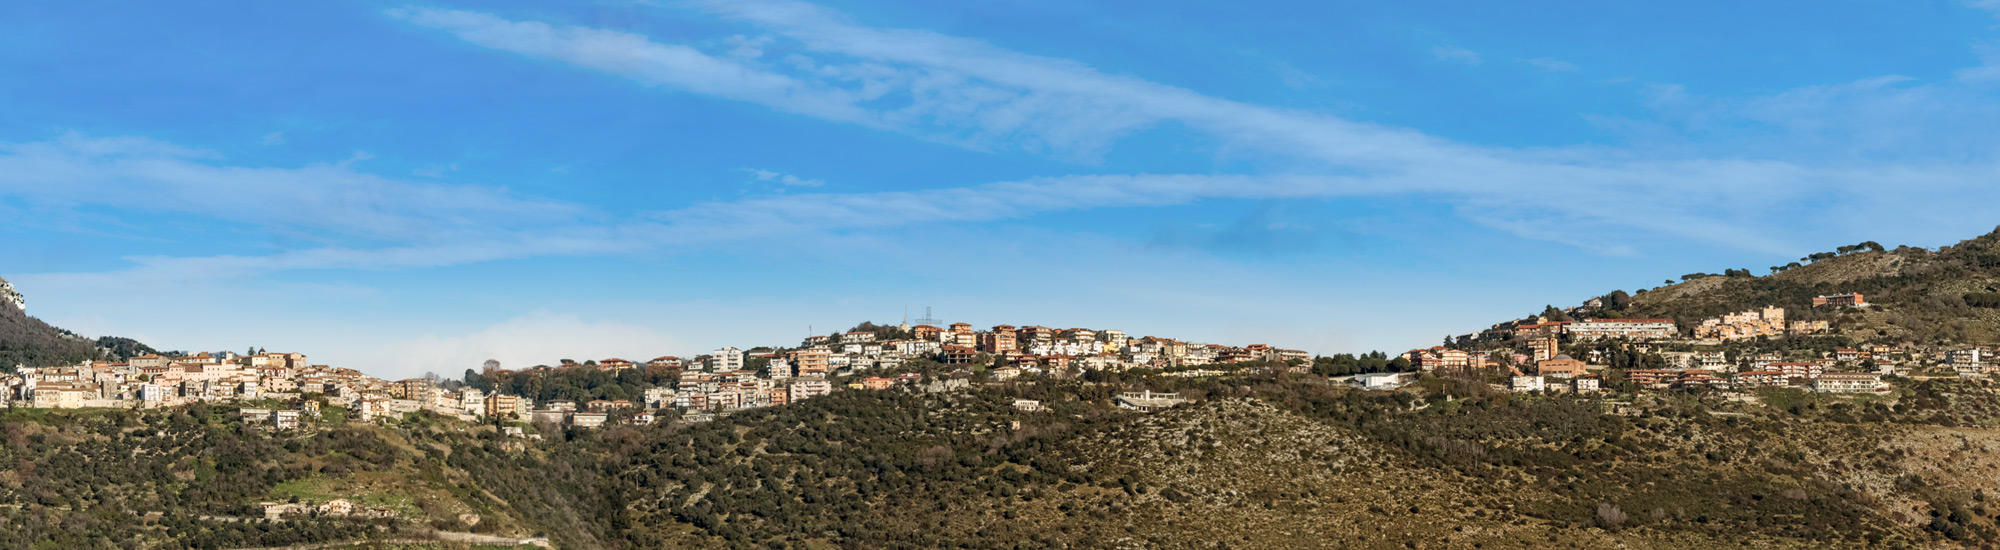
(25, 340)
(1920, 296)
(184, 478)
(1263, 462)
(1286, 464)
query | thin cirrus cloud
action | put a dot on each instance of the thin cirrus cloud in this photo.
(911, 81)
(1031, 100)
(1456, 54)
(1550, 64)
(782, 178)
(325, 199)
(361, 220)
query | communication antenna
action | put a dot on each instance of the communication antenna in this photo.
(927, 319)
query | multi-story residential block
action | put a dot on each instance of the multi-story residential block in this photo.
(725, 359)
(1542, 329)
(807, 388)
(1760, 378)
(1851, 299)
(957, 355)
(1652, 378)
(811, 362)
(588, 419)
(998, 341)
(1847, 382)
(1797, 369)
(1562, 366)
(1632, 329)
(1769, 321)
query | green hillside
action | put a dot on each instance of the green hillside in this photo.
(1949, 295)
(1256, 459)
(1262, 462)
(27, 341)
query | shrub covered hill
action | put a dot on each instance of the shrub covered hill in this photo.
(1259, 457)
(1256, 460)
(27, 341)
(1920, 296)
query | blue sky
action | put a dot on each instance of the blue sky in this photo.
(407, 187)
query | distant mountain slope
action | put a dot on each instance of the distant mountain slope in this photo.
(27, 341)
(1919, 295)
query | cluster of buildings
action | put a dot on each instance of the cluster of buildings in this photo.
(1851, 299)
(717, 383)
(724, 380)
(1029, 348)
(1592, 329)
(1845, 370)
(1805, 375)
(1768, 321)
(151, 381)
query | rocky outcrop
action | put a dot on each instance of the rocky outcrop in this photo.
(12, 297)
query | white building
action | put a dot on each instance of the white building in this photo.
(1847, 382)
(473, 401)
(807, 388)
(778, 369)
(1379, 381)
(1635, 329)
(1528, 383)
(725, 359)
(659, 398)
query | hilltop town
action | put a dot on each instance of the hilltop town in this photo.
(281, 389)
(1578, 352)
(1843, 402)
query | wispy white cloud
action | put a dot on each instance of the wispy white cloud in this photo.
(650, 62)
(961, 105)
(274, 138)
(782, 179)
(342, 217)
(1296, 78)
(1875, 123)
(1588, 197)
(1032, 99)
(327, 200)
(1456, 54)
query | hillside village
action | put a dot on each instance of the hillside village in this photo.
(285, 389)
(1797, 410)
(1572, 350)
(1734, 352)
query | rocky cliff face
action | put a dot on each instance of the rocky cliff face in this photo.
(12, 297)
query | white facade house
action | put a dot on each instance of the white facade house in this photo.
(1847, 382)
(1379, 381)
(1636, 329)
(725, 359)
(808, 388)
